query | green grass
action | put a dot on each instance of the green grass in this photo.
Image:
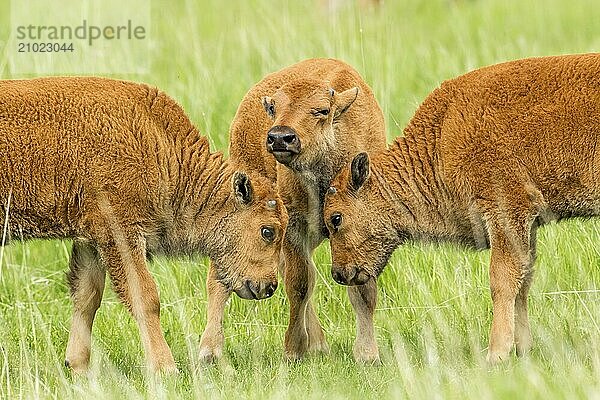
(434, 308)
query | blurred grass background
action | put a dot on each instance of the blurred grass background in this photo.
(434, 307)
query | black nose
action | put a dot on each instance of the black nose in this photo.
(261, 290)
(349, 275)
(343, 275)
(283, 139)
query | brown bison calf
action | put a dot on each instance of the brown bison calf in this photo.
(487, 158)
(118, 167)
(311, 117)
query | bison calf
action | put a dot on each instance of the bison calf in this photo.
(311, 118)
(118, 167)
(487, 158)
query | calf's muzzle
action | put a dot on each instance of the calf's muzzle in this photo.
(283, 143)
(257, 290)
(349, 275)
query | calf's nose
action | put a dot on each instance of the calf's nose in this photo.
(343, 276)
(282, 138)
(349, 275)
(261, 290)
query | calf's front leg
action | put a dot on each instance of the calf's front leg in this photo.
(86, 279)
(211, 342)
(364, 299)
(304, 332)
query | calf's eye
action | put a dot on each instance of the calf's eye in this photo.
(336, 220)
(321, 113)
(267, 233)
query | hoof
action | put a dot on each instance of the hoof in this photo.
(524, 345)
(366, 357)
(293, 357)
(210, 356)
(76, 368)
(165, 370)
(320, 347)
(497, 357)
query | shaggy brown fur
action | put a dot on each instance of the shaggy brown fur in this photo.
(118, 167)
(487, 158)
(329, 127)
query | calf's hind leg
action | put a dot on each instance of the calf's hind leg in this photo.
(86, 279)
(523, 338)
(510, 277)
(125, 262)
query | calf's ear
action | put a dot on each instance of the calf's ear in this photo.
(359, 170)
(269, 106)
(242, 187)
(344, 100)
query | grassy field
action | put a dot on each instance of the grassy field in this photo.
(434, 308)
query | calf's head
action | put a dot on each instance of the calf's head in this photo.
(304, 113)
(361, 233)
(247, 238)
